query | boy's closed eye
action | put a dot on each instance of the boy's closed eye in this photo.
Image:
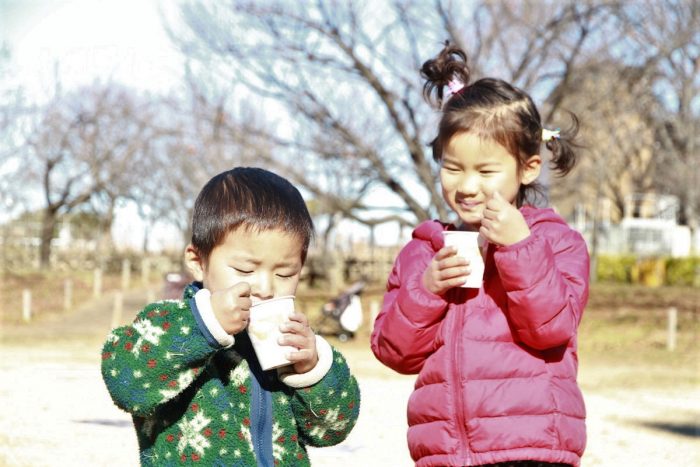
(286, 275)
(243, 271)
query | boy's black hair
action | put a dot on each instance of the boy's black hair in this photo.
(252, 198)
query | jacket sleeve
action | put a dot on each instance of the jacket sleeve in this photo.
(327, 411)
(405, 329)
(546, 282)
(157, 357)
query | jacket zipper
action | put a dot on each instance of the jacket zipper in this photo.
(261, 424)
(456, 375)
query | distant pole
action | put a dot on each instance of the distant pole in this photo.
(97, 282)
(373, 312)
(126, 274)
(145, 271)
(26, 305)
(672, 328)
(117, 310)
(67, 294)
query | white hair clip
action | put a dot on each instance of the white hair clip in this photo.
(549, 135)
(455, 85)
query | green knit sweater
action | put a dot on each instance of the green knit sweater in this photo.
(191, 402)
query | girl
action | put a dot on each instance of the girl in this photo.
(497, 365)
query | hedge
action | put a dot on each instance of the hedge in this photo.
(649, 271)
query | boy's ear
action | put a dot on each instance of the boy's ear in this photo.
(194, 263)
(531, 170)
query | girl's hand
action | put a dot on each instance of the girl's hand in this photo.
(232, 307)
(502, 223)
(297, 333)
(445, 271)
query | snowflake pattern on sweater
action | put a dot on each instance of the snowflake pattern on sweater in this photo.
(190, 402)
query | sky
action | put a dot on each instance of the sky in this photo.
(83, 41)
(78, 42)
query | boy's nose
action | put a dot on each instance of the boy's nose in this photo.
(262, 288)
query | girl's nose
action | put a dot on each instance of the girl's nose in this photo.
(262, 288)
(469, 184)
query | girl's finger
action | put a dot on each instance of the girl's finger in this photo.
(451, 273)
(454, 261)
(445, 252)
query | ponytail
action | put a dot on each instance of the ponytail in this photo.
(563, 147)
(444, 71)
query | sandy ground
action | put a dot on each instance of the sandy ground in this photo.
(56, 411)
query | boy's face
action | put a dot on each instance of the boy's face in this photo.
(270, 261)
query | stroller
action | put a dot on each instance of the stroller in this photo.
(345, 311)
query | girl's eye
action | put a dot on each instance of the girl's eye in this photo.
(286, 276)
(242, 271)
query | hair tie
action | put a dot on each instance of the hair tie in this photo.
(455, 85)
(549, 135)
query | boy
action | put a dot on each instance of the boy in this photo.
(186, 371)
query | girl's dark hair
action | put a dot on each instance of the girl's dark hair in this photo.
(492, 109)
(252, 198)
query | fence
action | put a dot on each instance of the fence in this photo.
(337, 268)
(26, 296)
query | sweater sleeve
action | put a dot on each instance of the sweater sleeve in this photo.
(405, 329)
(546, 281)
(327, 411)
(158, 356)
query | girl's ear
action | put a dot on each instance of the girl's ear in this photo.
(194, 263)
(531, 170)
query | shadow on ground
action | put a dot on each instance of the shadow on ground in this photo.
(690, 430)
(107, 422)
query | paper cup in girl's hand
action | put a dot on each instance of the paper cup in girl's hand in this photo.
(264, 331)
(467, 244)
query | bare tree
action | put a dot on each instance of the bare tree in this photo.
(199, 135)
(610, 100)
(667, 38)
(83, 148)
(345, 76)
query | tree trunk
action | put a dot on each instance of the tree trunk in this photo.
(48, 226)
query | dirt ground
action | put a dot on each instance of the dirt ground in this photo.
(56, 411)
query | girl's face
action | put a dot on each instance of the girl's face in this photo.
(473, 168)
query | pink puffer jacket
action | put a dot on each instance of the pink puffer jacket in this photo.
(496, 366)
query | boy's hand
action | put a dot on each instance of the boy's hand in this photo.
(232, 307)
(502, 223)
(297, 333)
(445, 271)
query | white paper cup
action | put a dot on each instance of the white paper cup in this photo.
(467, 244)
(264, 330)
